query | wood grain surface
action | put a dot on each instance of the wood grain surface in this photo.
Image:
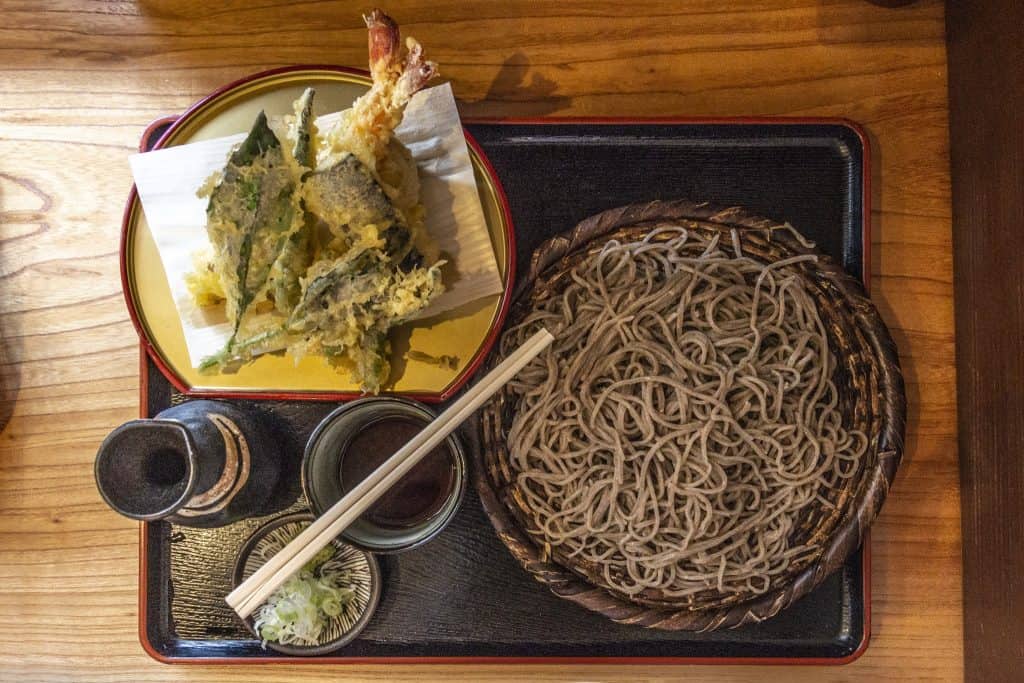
(988, 212)
(80, 81)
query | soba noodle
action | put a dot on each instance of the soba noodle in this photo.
(681, 420)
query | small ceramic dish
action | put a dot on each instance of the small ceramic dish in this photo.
(354, 617)
(356, 438)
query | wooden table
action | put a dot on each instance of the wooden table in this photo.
(80, 81)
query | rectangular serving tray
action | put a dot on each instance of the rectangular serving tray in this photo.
(462, 598)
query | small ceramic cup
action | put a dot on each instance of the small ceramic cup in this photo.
(340, 630)
(337, 437)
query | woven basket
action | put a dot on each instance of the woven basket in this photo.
(871, 395)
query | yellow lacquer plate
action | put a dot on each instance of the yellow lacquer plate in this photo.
(466, 332)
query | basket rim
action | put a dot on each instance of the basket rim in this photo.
(850, 531)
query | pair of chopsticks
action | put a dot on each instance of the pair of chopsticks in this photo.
(255, 590)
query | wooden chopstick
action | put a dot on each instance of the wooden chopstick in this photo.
(255, 590)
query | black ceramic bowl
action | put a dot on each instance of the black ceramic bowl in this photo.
(340, 630)
(324, 467)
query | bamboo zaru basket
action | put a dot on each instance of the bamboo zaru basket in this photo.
(871, 398)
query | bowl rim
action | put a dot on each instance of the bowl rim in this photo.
(103, 454)
(376, 587)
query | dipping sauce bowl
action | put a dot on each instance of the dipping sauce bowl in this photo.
(352, 441)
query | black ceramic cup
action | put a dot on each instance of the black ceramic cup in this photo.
(199, 463)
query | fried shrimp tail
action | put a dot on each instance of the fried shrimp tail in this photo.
(387, 64)
(398, 74)
(383, 37)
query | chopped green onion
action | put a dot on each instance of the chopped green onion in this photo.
(298, 611)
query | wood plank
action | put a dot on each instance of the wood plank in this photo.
(986, 75)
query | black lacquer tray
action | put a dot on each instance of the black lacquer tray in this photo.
(462, 598)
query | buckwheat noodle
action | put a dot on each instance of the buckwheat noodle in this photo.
(683, 418)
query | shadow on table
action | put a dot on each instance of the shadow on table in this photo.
(892, 3)
(23, 210)
(868, 21)
(518, 92)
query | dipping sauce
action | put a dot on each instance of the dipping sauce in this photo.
(417, 496)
